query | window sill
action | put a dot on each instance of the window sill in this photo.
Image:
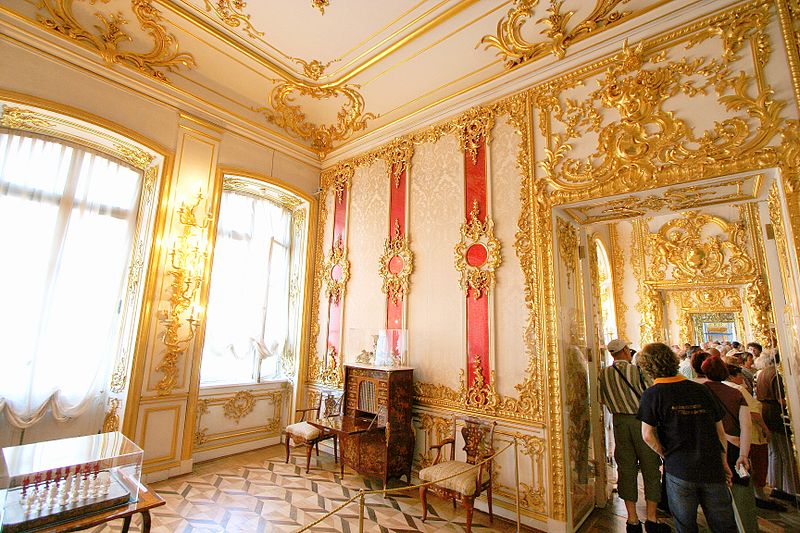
(265, 384)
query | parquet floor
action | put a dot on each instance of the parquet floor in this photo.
(612, 519)
(257, 492)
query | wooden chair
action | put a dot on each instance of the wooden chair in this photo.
(468, 484)
(304, 433)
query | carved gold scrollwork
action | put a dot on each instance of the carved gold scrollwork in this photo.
(313, 69)
(331, 369)
(336, 272)
(320, 4)
(472, 128)
(111, 420)
(396, 250)
(241, 405)
(533, 496)
(478, 279)
(24, 119)
(231, 12)
(618, 279)
(398, 156)
(647, 145)
(339, 179)
(679, 244)
(516, 50)
(759, 307)
(187, 262)
(436, 429)
(351, 117)
(567, 247)
(164, 55)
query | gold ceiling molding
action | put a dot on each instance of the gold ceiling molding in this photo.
(321, 5)
(516, 50)
(396, 284)
(313, 69)
(231, 12)
(351, 118)
(673, 199)
(679, 244)
(647, 146)
(477, 279)
(567, 247)
(164, 55)
(239, 406)
(618, 279)
(36, 121)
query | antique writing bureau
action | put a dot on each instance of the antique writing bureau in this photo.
(377, 407)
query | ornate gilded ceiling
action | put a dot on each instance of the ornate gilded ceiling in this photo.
(319, 75)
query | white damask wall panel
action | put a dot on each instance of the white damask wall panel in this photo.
(368, 227)
(510, 313)
(436, 303)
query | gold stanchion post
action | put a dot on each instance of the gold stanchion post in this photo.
(361, 512)
(516, 478)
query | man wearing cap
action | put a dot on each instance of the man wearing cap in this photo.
(621, 387)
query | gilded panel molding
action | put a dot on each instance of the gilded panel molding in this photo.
(241, 405)
(516, 50)
(533, 496)
(776, 219)
(351, 118)
(263, 191)
(336, 271)
(396, 284)
(477, 279)
(231, 12)
(567, 247)
(647, 146)
(759, 309)
(435, 429)
(187, 262)
(618, 279)
(679, 246)
(108, 34)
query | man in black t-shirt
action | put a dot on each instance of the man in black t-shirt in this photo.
(682, 422)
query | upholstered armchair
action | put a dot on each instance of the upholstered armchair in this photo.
(469, 481)
(304, 433)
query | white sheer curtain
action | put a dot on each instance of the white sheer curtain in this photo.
(248, 306)
(67, 220)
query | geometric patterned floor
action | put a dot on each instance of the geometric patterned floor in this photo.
(257, 492)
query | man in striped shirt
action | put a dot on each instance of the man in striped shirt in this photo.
(621, 386)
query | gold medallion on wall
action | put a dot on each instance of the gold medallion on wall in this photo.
(477, 255)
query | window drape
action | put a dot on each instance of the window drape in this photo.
(248, 305)
(67, 222)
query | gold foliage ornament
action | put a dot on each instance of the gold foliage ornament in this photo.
(187, 262)
(396, 265)
(568, 247)
(231, 12)
(351, 118)
(648, 146)
(111, 420)
(164, 54)
(477, 255)
(336, 272)
(516, 50)
(759, 307)
(241, 405)
(679, 244)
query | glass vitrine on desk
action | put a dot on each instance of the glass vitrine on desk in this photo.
(58, 481)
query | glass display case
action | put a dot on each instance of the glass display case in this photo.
(49, 482)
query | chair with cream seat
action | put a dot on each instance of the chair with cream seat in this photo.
(469, 481)
(304, 433)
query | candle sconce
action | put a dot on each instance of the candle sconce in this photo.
(187, 259)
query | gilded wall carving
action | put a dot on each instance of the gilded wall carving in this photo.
(396, 284)
(641, 143)
(107, 36)
(239, 406)
(436, 429)
(477, 280)
(618, 279)
(679, 246)
(567, 247)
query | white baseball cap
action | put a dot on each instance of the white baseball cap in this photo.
(616, 345)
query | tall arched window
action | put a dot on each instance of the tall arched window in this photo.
(605, 281)
(68, 228)
(254, 313)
